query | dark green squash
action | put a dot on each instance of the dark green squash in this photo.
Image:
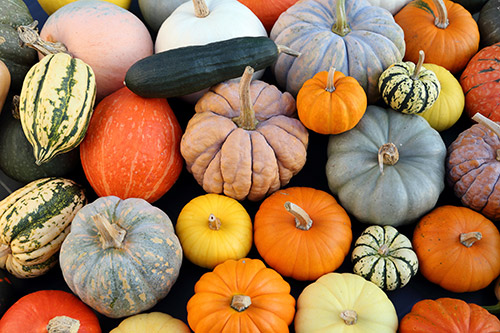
(18, 59)
(473, 6)
(489, 23)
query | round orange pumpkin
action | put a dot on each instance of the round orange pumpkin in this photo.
(331, 103)
(457, 248)
(443, 29)
(131, 149)
(241, 296)
(313, 228)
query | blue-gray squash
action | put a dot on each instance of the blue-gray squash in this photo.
(389, 169)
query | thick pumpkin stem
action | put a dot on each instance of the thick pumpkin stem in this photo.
(330, 84)
(441, 20)
(383, 250)
(468, 239)
(302, 219)
(240, 302)
(418, 67)
(286, 50)
(246, 119)
(388, 154)
(493, 126)
(28, 34)
(63, 324)
(341, 27)
(200, 8)
(214, 222)
(350, 317)
(112, 235)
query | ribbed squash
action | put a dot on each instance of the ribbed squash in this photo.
(385, 257)
(121, 256)
(56, 104)
(34, 222)
(152, 322)
(409, 88)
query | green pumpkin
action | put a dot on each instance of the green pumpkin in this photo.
(388, 169)
(489, 23)
(17, 58)
(121, 256)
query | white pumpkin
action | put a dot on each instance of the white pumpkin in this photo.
(391, 5)
(200, 22)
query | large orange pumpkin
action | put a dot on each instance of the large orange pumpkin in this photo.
(313, 228)
(443, 29)
(132, 147)
(457, 248)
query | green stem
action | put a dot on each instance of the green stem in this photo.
(341, 27)
(493, 309)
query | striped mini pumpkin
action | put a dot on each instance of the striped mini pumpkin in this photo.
(409, 88)
(385, 257)
(56, 104)
(34, 221)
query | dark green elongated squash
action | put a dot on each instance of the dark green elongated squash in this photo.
(489, 23)
(18, 59)
(189, 69)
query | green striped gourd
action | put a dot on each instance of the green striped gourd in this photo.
(409, 88)
(34, 221)
(56, 104)
(385, 257)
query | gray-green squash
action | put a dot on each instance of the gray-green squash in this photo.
(157, 11)
(387, 170)
(121, 256)
(489, 23)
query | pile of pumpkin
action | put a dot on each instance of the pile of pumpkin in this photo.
(379, 84)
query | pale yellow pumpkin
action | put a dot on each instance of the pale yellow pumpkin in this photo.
(213, 228)
(449, 105)
(153, 322)
(344, 302)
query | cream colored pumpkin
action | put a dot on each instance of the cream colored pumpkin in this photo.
(153, 322)
(344, 302)
(391, 5)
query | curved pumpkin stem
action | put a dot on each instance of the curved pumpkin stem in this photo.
(286, 50)
(388, 154)
(330, 84)
(441, 20)
(302, 219)
(418, 67)
(112, 235)
(350, 317)
(28, 34)
(493, 126)
(240, 302)
(214, 222)
(246, 119)
(341, 27)
(468, 239)
(200, 8)
(63, 324)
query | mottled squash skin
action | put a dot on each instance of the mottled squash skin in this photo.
(128, 279)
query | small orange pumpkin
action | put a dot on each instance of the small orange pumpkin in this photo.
(457, 248)
(331, 103)
(313, 228)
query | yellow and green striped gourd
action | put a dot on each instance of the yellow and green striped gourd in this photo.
(56, 103)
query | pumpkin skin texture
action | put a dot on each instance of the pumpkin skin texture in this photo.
(213, 306)
(121, 256)
(450, 45)
(374, 42)
(213, 228)
(449, 106)
(243, 140)
(268, 11)
(79, 26)
(153, 322)
(489, 23)
(331, 103)
(131, 149)
(448, 315)
(480, 82)
(457, 248)
(39, 308)
(326, 305)
(473, 170)
(404, 191)
(5, 80)
(316, 242)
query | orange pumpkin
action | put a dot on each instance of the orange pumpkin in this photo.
(331, 103)
(241, 296)
(313, 228)
(457, 248)
(443, 29)
(132, 147)
(448, 315)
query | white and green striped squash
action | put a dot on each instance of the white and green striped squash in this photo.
(56, 103)
(385, 257)
(121, 256)
(409, 88)
(34, 222)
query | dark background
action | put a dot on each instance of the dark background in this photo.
(186, 188)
